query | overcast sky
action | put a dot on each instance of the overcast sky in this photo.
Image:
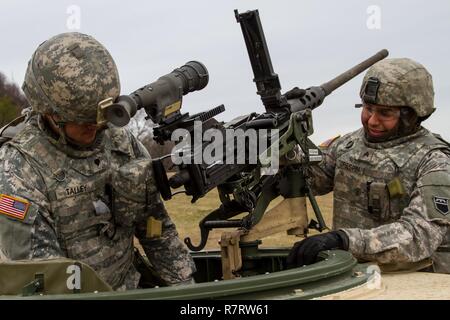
(310, 42)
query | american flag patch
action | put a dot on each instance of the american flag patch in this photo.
(13, 207)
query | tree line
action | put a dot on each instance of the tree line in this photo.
(12, 100)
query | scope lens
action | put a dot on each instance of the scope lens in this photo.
(121, 111)
(194, 74)
(118, 112)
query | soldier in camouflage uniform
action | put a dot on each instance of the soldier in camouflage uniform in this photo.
(73, 186)
(391, 178)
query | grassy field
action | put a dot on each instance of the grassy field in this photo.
(187, 216)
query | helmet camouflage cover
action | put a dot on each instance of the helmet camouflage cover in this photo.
(69, 75)
(399, 82)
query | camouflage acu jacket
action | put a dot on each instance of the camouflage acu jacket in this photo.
(56, 201)
(390, 198)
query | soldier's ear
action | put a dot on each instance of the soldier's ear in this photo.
(50, 116)
(55, 117)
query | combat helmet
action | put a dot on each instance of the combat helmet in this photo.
(68, 75)
(399, 82)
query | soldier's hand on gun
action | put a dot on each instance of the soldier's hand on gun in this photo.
(306, 251)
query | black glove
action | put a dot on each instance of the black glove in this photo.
(295, 93)
(305, 252)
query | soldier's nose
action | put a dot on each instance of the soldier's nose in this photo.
(374, 121)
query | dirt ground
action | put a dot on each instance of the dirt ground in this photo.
(187, 216)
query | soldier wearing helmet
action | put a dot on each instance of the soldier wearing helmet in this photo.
(74, 186)
(391, 178)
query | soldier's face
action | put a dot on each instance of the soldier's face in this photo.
(82, 134)
(380, 121)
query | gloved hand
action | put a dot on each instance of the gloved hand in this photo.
(295, 93)
(305, 252)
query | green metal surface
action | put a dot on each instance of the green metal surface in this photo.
(336, 272)
(48, 277)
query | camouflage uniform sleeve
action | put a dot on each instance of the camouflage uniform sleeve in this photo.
(420, 229)
(322, 174)
(167, 254)
(32, 237)
(138, 148)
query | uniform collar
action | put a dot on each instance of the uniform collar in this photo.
(393, 143)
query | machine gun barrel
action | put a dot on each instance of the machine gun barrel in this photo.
(267, 81)
(330, 86)
(314, 96)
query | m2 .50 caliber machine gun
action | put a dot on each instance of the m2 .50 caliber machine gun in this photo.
(244, 187)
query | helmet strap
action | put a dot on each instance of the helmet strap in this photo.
(62, 135)
(57, 126)
(409, 122)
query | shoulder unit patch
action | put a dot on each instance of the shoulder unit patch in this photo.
(13, 207)
(441, 204)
